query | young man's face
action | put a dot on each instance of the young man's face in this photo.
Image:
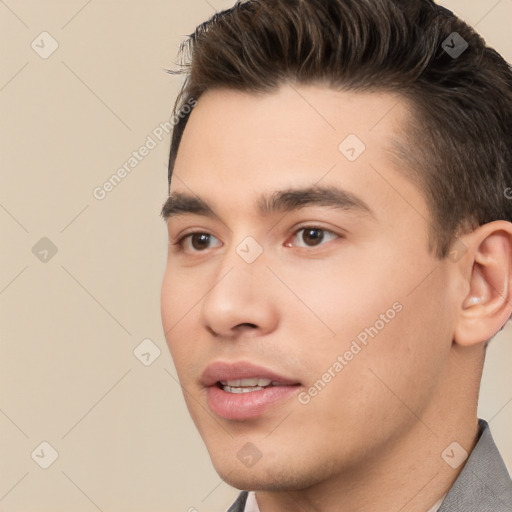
(341, 306)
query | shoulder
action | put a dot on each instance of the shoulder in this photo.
(484, 485)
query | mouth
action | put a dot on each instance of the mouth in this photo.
(242, 391)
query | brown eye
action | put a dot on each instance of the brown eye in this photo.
(198, 242)
(312, 237)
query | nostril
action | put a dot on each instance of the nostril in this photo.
(252, 326)
(246, 326)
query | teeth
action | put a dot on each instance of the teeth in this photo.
(245, 385)
(235, 390)
(260, 383)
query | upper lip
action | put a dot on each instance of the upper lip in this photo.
(224, 371)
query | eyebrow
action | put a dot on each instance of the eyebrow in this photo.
(281, 201)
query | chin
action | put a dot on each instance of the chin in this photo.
(269, 476)
(248, 481)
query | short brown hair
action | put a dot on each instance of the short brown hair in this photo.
(458, 144)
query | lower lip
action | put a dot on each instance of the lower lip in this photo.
(244, 406)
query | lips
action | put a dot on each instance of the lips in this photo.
(241, 391)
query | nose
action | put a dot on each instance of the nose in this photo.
(240, 300)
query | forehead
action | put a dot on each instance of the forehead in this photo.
(237, 146)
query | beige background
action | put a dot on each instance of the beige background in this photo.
(69, 325)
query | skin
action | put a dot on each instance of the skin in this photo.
(372, 438)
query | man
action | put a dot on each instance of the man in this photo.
(341, 253)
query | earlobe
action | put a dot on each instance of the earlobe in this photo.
(488, 305)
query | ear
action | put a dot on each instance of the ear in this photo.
(488, 305)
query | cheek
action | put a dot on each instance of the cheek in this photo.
(378, 311)
(168, 301)
(178, 300)
(182, 290)
(343, 295)
(404, 360)
(377, 383)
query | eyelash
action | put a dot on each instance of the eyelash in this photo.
(180, 242)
